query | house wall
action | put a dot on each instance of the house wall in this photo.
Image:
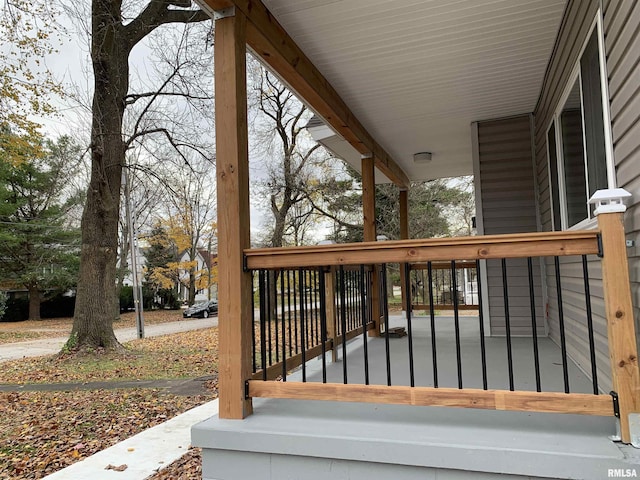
(505, 179)
(621, 24)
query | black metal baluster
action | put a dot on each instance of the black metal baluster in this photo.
(507, 321)
(432, 315)
(407, 276)
(289, 312)
(284, 328)
(350, 302)
(534, 323)
(269, 312)
(275, 309)
(323, 324)
(316, 306)
(563, 340)
(483, 351)
(383, 293)
(363, 310)
(295, 314)
(311, 333)
(385, 313)
(456, 319)
(303, 326)
(592, 348)
(253, 324)
(343, 322)
(263, 319)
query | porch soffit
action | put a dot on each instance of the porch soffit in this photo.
(416, 73)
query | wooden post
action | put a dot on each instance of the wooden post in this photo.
(620, 323)
(404, 234)
(369, 213)
(330, 305)
(235, 285)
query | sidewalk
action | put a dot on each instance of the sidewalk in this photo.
(143, 453)
(50, 346)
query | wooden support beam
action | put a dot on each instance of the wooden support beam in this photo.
(404, 234)
(234, 317)
(552, 402)
(273, 45)
(330, 306)
(369, 199)
(621, 333)
(516, 245)
(369, 214)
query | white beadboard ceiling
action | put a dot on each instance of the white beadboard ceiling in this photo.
(416, 73)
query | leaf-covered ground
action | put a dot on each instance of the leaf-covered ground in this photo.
(187, 467)
(181, 355)
(42, 432)
(58, 327)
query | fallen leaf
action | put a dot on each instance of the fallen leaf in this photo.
(119, 468)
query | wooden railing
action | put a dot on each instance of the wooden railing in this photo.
(327, 259)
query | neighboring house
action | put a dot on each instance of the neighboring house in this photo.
(141, 261)
(205, 266)
(540, 101)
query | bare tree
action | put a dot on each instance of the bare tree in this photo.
(115, 30)
(291, 157)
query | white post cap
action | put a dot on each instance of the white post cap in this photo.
(609, 201)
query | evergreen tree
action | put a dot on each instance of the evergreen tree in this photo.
(39, 250)
(161, 252)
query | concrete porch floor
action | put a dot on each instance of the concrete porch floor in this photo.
(550, 359)
(294, 439)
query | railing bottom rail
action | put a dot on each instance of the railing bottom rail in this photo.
(548, 402)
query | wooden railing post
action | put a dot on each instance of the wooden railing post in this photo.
(618, 305)
(235, 284)
(369, 214)
(330, 306)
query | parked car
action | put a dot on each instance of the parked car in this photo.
(202, 309)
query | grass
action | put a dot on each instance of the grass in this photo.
(11, 332)
(181, 355)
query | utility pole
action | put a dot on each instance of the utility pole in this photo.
(133, 252)
(209, 270)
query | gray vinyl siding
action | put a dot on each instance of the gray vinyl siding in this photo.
(509, 206)
(622, 43)
(579, 17)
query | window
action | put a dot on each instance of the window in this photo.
(578, 141)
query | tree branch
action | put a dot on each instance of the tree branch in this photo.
(158, 13)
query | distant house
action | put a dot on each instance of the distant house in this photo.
(206, 263)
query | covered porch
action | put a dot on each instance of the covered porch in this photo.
(530, 376)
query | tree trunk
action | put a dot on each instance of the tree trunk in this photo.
(93, 319)
(192, 287)
(34, 302)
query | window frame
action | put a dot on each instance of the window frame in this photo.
(576, 76)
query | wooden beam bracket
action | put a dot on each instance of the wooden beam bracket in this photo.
(616, 404)
(224, 13)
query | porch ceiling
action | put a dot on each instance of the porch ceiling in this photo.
(416, 73)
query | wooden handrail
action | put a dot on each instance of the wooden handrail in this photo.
(539, 244)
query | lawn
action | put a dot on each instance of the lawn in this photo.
(61, 327)
(181, 355)
(42, 432)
